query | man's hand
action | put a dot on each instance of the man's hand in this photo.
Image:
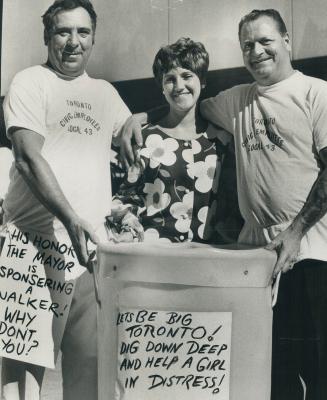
(80, 232)
(287, 243)
(287, 246)
(131, 139)
(41, 180)
(131, 135)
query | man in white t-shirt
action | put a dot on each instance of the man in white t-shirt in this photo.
(279, 127)
(6, 160)
(61, 123)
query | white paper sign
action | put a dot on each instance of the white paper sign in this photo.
(36, 288)
(173, 355)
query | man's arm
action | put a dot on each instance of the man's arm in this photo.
(211, 109)
(208, 110)
(287, 243)
(40, 178)
(131, 136)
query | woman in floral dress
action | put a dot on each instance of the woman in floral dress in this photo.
(172, 193)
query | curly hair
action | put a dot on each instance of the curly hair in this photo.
(60, 5)
(184, 53)
(269, 12)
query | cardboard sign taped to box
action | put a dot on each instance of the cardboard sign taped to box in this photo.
(37, 273)
(161, 353)
(184, 321)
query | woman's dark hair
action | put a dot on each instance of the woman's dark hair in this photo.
(185, 54)
(60, 5)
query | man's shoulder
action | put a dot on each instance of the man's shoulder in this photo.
(238, 90)
(313, 82)
(103, 85)
(29, 73)
(31, 78)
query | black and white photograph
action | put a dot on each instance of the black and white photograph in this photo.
(163, 200)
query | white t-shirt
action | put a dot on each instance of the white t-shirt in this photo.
(6, 160)
(77, 118)
(279, 131)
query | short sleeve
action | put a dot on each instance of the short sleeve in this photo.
(24, 105)
(121, 113)
(319, 115)
(219, 110)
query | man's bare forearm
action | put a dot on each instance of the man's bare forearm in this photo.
(43, 183)
(40, 178)
(288, 243)
(36, 172)
(315, 207)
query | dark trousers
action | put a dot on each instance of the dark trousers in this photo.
(300, 333)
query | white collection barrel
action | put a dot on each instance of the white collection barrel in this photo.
(184, 321)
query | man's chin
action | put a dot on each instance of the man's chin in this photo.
(261, 75)
(72, 69)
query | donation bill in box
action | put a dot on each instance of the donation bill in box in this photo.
(184, 322)
(165, 352)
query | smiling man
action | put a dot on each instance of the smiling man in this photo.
(61, 123)
(70, 38)
(266, 49)
(279, 126)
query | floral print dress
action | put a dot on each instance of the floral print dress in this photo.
(174, 190)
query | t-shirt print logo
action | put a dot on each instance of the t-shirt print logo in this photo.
(274, 138)
(263, 127)
(79, 119)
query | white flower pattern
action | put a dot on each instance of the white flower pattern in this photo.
(133, 173)
(152, 235)
(205, 216)
(159, 150)
(204, 172)
(188, 154)
(156, 199)
(173, 193)
(182, 211)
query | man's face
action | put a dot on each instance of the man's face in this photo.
(71, 41)
(266, 53)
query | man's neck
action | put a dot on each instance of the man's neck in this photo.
(269, 82)
(63, 75)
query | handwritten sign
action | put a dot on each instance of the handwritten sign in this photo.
(36, 288)
(173, 355)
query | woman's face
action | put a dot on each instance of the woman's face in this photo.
(181, 88)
